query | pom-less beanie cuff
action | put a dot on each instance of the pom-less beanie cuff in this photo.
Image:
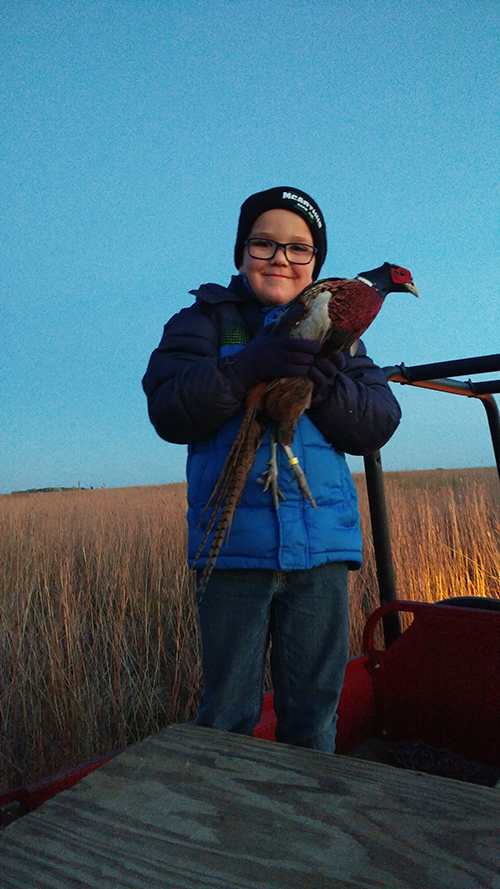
(282, 198)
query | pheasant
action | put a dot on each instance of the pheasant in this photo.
(337, 311)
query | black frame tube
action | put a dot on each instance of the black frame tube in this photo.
(482, 365)
(382, 544)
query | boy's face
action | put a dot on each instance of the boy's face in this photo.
(276, 281)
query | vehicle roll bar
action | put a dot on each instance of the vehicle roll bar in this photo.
(428, 376)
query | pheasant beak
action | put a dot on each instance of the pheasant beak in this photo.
(412, 288)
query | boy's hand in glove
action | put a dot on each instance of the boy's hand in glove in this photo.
(273, 353)
(325, 370)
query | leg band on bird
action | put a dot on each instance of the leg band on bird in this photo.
(299, 475)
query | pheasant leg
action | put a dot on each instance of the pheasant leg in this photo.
(270, 477)
(299, 475)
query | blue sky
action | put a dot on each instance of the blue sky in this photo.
(132, 131)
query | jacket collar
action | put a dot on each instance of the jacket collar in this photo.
(235, 292)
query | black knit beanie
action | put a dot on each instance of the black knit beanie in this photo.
(282, 199)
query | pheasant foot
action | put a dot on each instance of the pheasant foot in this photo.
(299, 475)
(269, 478)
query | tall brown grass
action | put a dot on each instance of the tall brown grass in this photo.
(98, 633)
(99, 640)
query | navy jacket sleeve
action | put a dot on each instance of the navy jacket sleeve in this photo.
(357, 412)
(191, 391)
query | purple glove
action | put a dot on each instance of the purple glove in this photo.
(324, 370)
(273, 353)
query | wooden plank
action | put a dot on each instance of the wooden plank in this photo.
(192, 807)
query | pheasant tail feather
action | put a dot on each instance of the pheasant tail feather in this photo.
(229, 487)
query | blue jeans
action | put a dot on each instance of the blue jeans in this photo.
(305, 616)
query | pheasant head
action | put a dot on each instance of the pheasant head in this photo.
(337, 311)
(389, 278)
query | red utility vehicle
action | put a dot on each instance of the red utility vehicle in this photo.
(430, 698)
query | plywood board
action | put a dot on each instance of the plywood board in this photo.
(192, 807)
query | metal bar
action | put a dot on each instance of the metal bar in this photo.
(397, 374)
(485, 387)
(492, 413)
(458, 387)
(419, 372)
(382, 543)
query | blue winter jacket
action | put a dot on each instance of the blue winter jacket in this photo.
(195, 398)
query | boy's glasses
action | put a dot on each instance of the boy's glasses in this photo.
(265, 248)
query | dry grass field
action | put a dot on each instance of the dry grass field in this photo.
(99, 642)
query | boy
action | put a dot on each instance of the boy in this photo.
(282, 574)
